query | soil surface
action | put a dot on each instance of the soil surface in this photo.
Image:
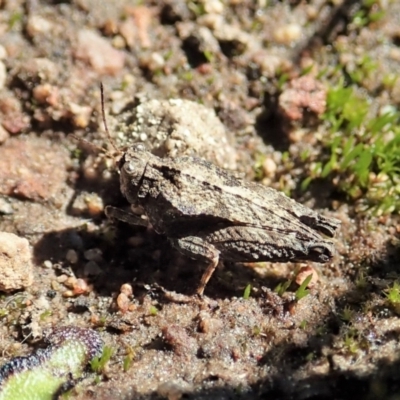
(184, 77)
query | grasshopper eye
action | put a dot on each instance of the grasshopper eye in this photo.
(133, 170)
(134, 167)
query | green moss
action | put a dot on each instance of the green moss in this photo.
(98, 363)
(15, 18)
(361, 280)
(365, 67)
(258, 166)
(196, 7)
(350, 344)
(392, 294)
(364, 152)
(303, 324)
(347, 314)
(369, 12)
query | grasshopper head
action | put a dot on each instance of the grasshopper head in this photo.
(132, 167)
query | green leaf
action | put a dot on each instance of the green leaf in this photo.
(351, 155)
(247, 291)
(362, 167)
(302, 291)
(306, 183)
(282, 287)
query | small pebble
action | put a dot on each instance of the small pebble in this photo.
(47, 264)
(118, 42)
(304, 273)
(172, 390)
(135, 241)
(98, 53)
(180, 341)
(55, 286)
(3, 52)
(80, 115)
(123, 302)
(153, 62)
(3, 75)
(36, 25)
(95, 204)
(70, 282)
(16, 268)
(62, 278)
(91, 269)
(288, 33)
(94, 254)
(80, 287)
(127, 289)
(213, 6)
(269, 167)
(207, 324)
(5, 206)
(46, 94)
(72, 256)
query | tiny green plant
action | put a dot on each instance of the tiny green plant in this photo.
(128, 359)
(310, 356)
(209, 56)
(392, 294)
(350, 343)
(302, 291)
(44, 315)
(363, 70)
(283, 78)
(247, 291)
(258, 166)
(281, 288)
(347, 314)
(364, 151)
(127, 363)
(256, 330)
(361, 280)
(196, 7)
(153, 310)
(98, 363)
(15, 18)
(369, 12)
(303, 324)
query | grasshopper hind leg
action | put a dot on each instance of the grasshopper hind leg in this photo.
(197, 248)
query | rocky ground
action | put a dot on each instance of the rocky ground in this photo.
(244, 84)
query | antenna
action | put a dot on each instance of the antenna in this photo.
(103, 114)
(93, 146)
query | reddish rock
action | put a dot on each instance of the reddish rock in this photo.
(304, 95)
(303, 275)
(99, 53)
(179, 340)
(32, 169)
(12, 118)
